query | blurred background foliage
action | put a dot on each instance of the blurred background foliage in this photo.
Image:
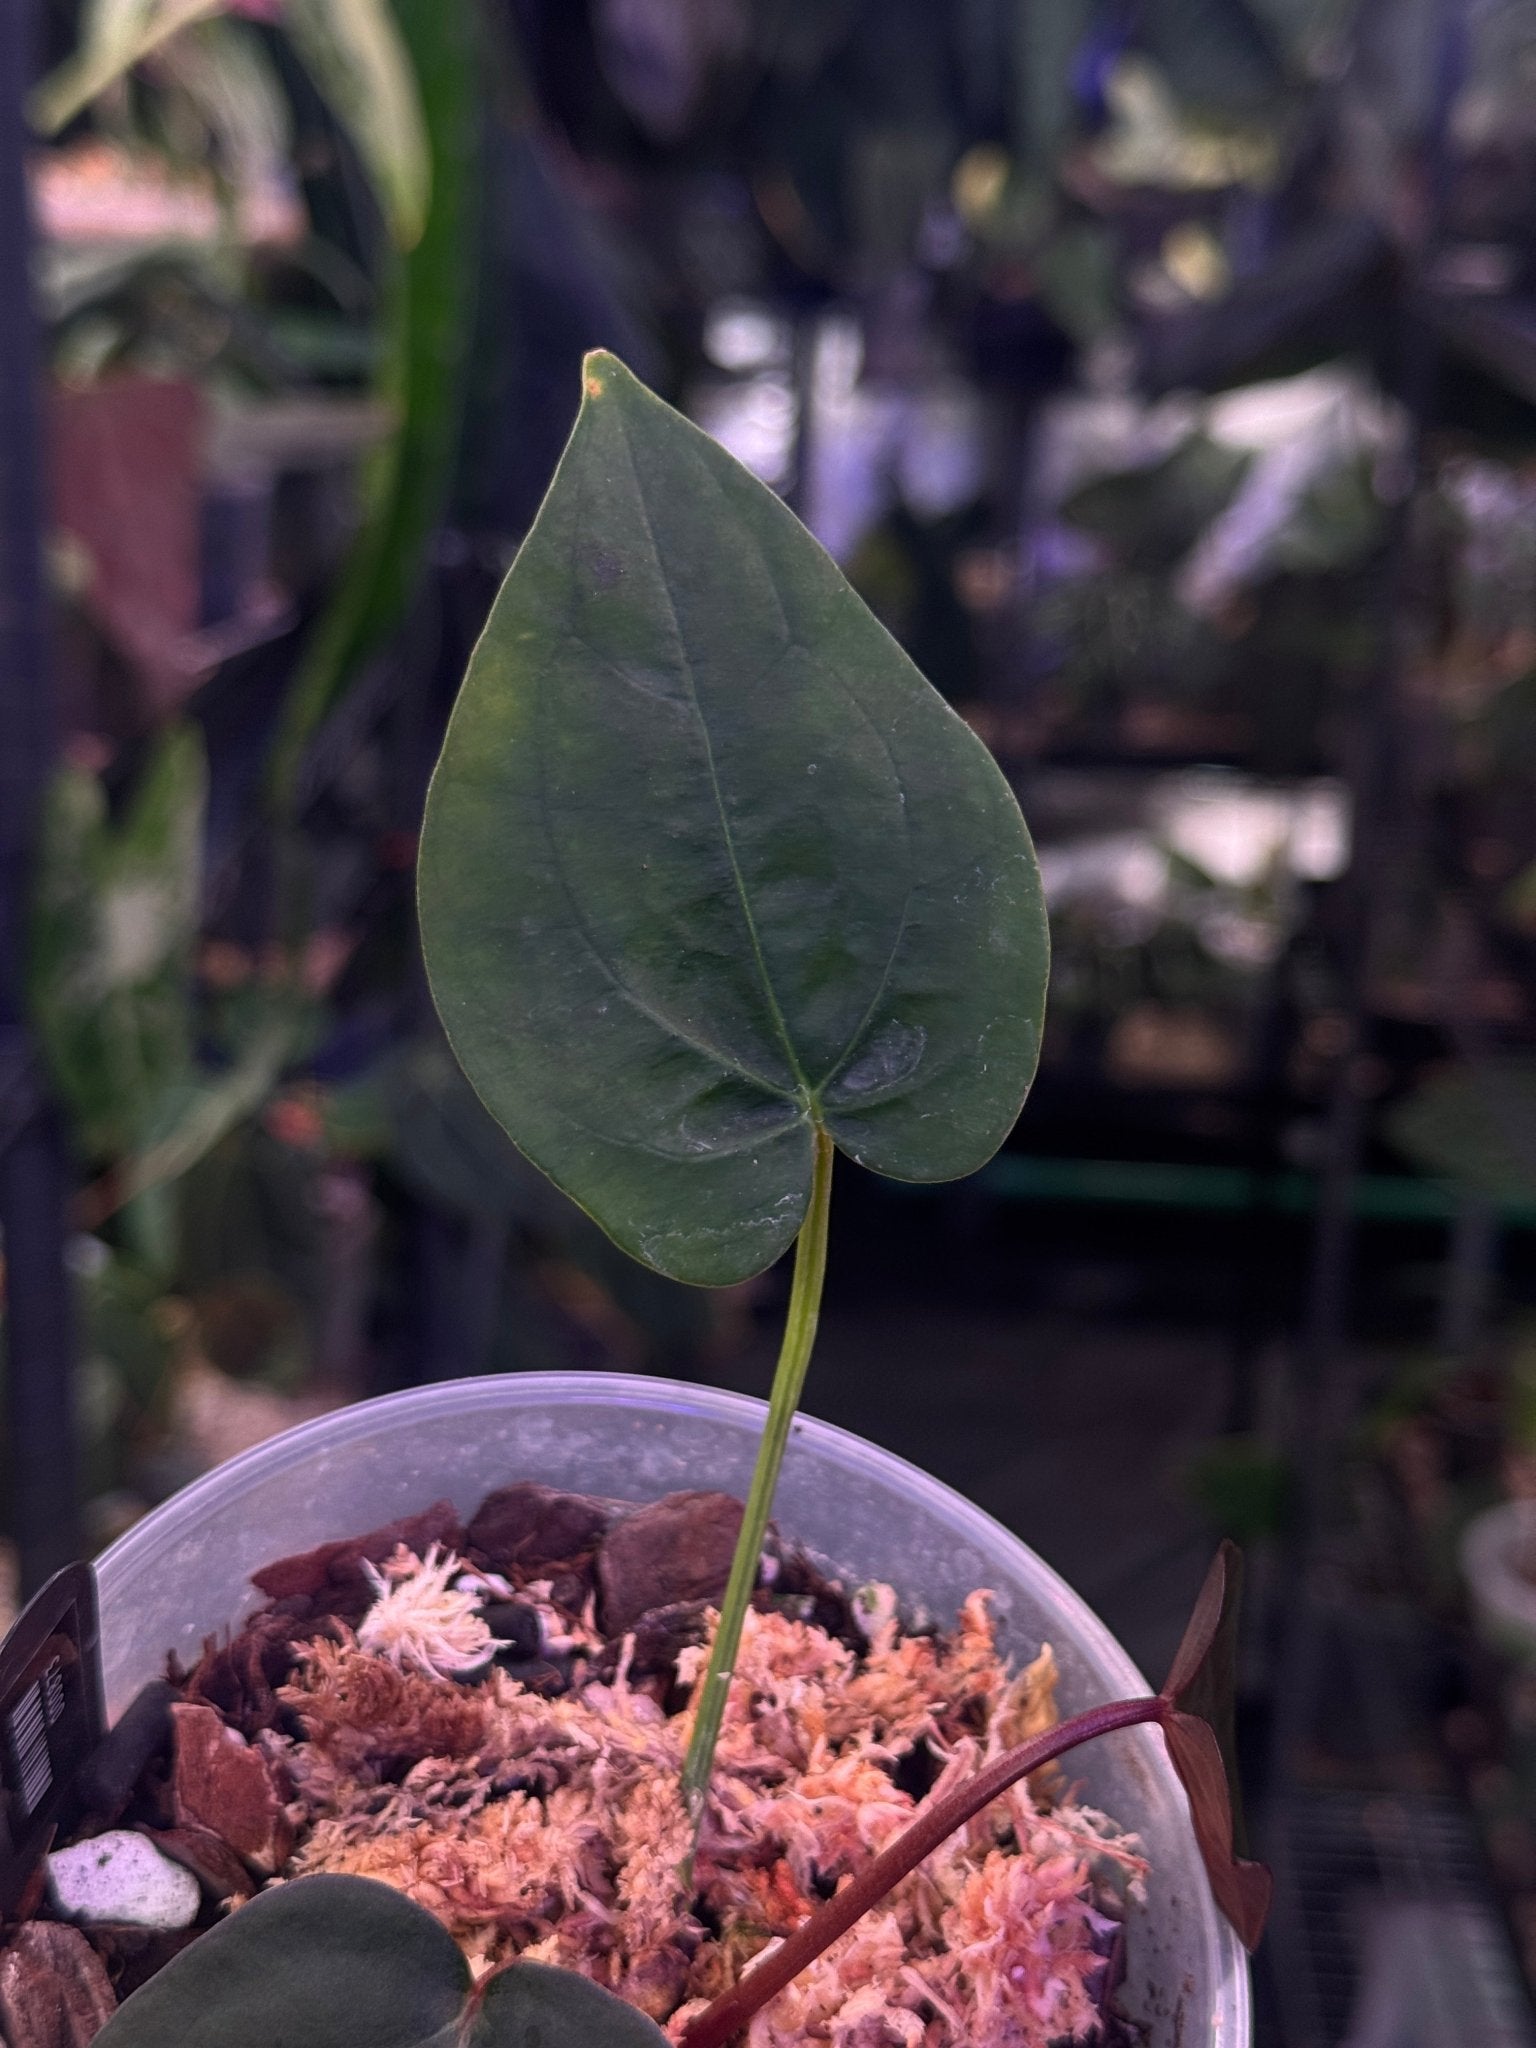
(1164, 376)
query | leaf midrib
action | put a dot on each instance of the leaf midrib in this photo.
(884, 983)
(807, 1093)
(725, 1061)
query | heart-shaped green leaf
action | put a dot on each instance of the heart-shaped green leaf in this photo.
(324, 1962)
(342, 1962)
(529, 2005)
(707, 864)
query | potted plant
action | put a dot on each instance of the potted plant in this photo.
(712, 886)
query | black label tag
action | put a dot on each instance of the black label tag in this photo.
(51, 1719)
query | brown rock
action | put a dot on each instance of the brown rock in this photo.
(677, 1548)
(663, 1633)
(529, 1531)
(827, 1606)
(241, 1677)
(209, 1857)
(331, 1576)
(133, 1955)
(54, 1990)
(220, 1783)
(657, 1980)
(658, 1638)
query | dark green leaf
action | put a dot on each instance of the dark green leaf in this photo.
(1215, 54)
(707, 863)
(342, 1962)
(1152, 516)
(429, 318)
(533, 2006)
(1475, 1125)
(196, 1110)
(1048, 35)
(324, 1962)
(354, 51)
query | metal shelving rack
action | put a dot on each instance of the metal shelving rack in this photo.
(1387, 1929)
(35, 1179)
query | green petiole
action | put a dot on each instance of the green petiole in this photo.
(788, 1379)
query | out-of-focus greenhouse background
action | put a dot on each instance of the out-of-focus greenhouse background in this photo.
(1164, 376)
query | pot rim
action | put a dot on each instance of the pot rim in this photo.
(339, 1426)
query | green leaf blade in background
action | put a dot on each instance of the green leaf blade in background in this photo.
(355, 53)
(707, 864)
(532, 2005)
(429, 318)
(114, 36)
(323, 1962)
(345, 1962)
(113, 928)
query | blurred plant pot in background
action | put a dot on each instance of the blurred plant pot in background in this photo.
(1498, 1562)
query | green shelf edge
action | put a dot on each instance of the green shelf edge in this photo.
(1157, 1185)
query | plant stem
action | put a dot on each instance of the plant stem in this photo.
(788, 1379)
(868, 1885)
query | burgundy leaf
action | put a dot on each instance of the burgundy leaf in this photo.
(1210, 1625)
(1241, 1889)
(727, 2017)
(1201, 1692)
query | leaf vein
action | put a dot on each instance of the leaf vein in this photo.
(906, 902)
(616, 980)
(728, 837)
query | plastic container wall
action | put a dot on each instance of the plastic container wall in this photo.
(183, 1574)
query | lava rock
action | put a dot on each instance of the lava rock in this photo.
(663, 1633)
(54, 1990)
(516, 1624)
(829, 1607)
(568, 1590)
(656, 1641)
(210, 1859)
(675, 1549)
(220, 1783)
(241, 1677)
(122, 1879)
(331, 1577)
(528, 1531)
(538, 1674)
(133, 1954)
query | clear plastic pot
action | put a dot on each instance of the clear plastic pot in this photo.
(183, 1574)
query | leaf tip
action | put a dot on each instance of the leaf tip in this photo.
(598, 366)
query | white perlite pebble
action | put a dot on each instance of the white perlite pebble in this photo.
(121, 1878)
